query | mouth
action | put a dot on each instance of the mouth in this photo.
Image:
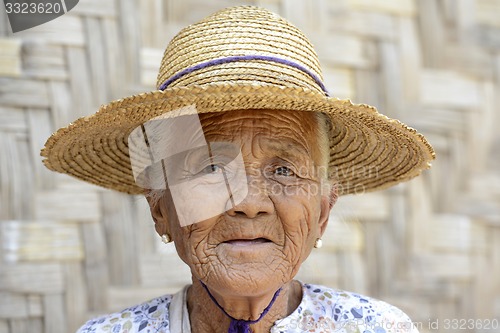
(248, 242)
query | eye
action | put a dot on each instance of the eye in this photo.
(212, 169)
(284, 171)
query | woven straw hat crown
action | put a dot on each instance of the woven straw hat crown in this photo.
(259, 45)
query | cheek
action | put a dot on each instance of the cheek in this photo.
(298, 211)
(191, 242)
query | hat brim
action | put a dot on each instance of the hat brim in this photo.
(368, 151)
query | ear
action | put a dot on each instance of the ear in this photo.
(158, 213)
(333, 196)
(327, 203)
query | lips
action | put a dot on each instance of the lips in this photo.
(248, 242)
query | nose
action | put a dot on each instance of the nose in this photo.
(256, 203)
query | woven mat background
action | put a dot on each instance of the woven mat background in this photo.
(69, 251)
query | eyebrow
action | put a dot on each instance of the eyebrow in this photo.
(290, 148)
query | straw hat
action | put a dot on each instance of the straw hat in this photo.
(236, 59)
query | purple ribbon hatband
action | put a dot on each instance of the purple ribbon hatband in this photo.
(225, 60)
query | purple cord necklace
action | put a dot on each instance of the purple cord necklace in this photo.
(238, 325)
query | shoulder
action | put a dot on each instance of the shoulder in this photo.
(148, 317)
(333, 310)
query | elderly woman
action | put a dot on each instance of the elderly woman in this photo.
(241, 154)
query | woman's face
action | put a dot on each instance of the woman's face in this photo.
(259, 242)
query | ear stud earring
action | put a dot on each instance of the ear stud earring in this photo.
(165, 238)
(318, 243)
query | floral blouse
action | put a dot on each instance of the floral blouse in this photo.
(322, 310)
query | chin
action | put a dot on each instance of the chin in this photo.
(247, 281)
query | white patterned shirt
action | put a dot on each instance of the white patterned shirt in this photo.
(322, 310)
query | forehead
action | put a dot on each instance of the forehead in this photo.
(282, 129)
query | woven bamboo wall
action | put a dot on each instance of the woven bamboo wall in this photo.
(69, 250)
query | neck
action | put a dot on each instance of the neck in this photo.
(206, 317)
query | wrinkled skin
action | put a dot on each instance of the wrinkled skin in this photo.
(283, 210)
